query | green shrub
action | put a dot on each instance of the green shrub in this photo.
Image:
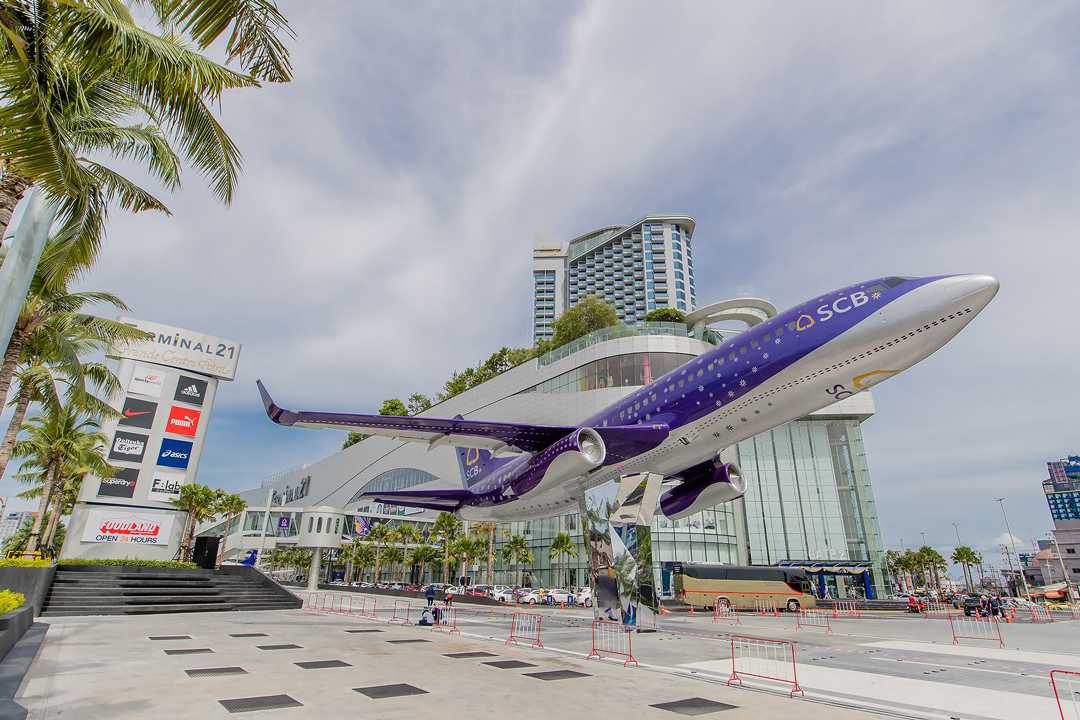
(128, 562)
(23, 562)
(10, 600)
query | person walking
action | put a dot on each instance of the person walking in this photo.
(449, 598)
(429, 592)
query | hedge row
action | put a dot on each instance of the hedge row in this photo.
(10, 600)
(128, 562)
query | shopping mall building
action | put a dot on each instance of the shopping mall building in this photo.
(809, 496)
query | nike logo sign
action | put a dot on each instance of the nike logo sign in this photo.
(133, 413)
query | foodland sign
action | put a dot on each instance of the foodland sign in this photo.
(107, 526)
(179, 348)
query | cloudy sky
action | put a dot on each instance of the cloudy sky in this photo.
(392, 193)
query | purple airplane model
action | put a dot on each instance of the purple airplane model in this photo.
(681, 425)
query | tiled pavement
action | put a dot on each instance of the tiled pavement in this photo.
(294, 664)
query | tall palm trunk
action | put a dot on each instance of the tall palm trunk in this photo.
(491, 553)
(446, 561)
(224, 539)
(378, 564)
(13, 428)
(11, 359)
(43, 506)
(12, 188)
(50, 529)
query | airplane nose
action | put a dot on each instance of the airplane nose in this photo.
(975, 291)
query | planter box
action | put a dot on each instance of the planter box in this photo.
(33, 582)
(13, 625)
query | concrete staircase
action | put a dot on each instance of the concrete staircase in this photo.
(97, 590)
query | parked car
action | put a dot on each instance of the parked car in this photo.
(478, 590)
(584, 597)
(507, 595)
(497, 590)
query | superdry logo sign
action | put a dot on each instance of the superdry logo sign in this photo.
(121, 527)
(183, 421)
(121, 484)
(128, 446)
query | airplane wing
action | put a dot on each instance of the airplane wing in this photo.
(490, 436)
(622, 441)
(449, 499)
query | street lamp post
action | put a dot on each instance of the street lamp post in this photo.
(1012, 543)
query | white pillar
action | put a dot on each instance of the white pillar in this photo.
(313, 571)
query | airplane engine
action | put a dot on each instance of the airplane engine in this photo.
(573, 456)
(711, 483)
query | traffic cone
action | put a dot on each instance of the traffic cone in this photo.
(692, 610)
(663, 610)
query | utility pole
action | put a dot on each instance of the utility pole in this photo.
(923, 538)
(958, 543)
(1064, 574)
(1012, 543)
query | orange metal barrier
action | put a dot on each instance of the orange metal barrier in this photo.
(612, 638)
(766, 659)
(968, 628)
(447, 620)
(813, 619)
(722, 611)
(525, 626)
(400, 614)
(1066, 687)
(845, 608)
(767, 607)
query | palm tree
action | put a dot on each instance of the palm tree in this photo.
(363, 556)
(405, 534)
(464, 550)
(200, 504)
(488, 529)
(422, 555)
(72, 73)
(966, 557)
(446, 529)
(53, 326)
(230, 506)
(56, 440)
(933, 563)
(516, 552)
(379, 534)
(563, 546)
(391, 555)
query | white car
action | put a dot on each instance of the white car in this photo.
(584, 597)
(506, 595)
(497, 590)
(556, 595)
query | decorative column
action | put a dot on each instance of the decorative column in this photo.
(617, 517)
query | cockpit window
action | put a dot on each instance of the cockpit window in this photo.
(894, 281)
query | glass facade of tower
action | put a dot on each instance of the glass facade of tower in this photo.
(543, 303)
(635, 269)
(809, 495)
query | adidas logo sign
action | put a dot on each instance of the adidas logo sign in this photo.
(190, 391)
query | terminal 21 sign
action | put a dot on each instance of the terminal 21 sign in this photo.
(179, 348)
(290, 493)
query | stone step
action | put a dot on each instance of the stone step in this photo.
(133, 609)
(148, 600)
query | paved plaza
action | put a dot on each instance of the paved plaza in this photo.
(305, 663)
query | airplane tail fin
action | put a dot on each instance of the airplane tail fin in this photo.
(475, 463)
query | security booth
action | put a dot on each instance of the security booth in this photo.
(829, 575)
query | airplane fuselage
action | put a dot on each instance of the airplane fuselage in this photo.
(800, 361)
